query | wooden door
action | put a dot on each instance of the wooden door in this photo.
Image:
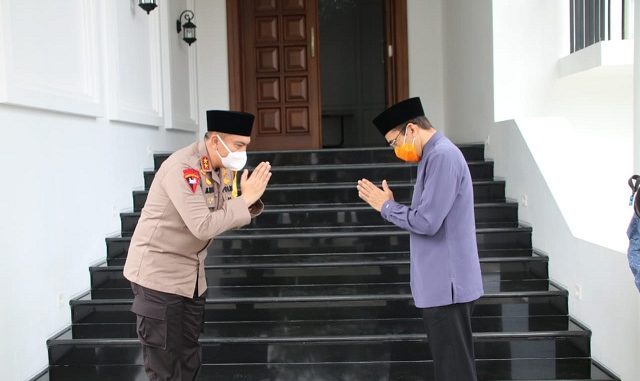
(280, 72)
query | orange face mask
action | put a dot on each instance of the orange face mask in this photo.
(407, 151)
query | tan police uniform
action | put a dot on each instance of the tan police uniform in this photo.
(189, 203)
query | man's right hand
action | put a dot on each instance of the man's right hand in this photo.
(253, 186)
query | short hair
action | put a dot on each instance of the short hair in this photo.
(420, 121)
(208, 134)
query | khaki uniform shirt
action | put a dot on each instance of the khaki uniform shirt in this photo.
(187, 206)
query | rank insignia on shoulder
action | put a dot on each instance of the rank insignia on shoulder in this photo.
(208, 190)
(205, 164)
(192, 177)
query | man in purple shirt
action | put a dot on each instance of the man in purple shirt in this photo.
(445, 269)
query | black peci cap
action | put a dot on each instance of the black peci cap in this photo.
(230, 122)
(397, 114)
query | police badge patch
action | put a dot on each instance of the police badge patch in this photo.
(192, 177)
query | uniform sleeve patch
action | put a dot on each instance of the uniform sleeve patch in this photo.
(192, 177)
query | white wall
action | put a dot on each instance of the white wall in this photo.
(213, 72)
(424, 28)
(468, 69)
(528, 39)
(597, 103)
(609, 302)
(569, 155)
(77, 135)
(596, 149)
(636, 91)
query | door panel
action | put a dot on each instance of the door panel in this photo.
(280, 72)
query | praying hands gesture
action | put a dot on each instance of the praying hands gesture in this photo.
(254, 185)
(373, 195)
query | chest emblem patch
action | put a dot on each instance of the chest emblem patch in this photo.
(192, 177)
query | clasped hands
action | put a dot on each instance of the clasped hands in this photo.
(254, 185)
(373, 195)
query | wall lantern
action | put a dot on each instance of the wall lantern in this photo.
(147, 5)
(188, 28)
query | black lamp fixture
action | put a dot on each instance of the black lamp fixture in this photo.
(188, 29)
(147, 5)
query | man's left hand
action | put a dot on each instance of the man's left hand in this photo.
(373, 195)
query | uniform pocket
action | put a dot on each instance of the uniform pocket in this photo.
(151, 322)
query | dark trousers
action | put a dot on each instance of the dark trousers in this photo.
(451, 341)
(168, 327)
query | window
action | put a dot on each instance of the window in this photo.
(593, 21)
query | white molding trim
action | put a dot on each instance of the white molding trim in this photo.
(119, 109)
(175, 120)
(598, 57)
(82, 99)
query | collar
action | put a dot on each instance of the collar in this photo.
(202, 151)
(431, 143)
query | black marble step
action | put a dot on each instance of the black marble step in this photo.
(568, 369)
(513, 272)
(310, 259)
(252, 287)
(331, 329)
(324, 174)
(504, 214)
(375, 285)
(335, 302)
(354, 258)
(471, 152)
(343, 240)
(499, 305)
(346, 334)
(345, 194)
(366, 239)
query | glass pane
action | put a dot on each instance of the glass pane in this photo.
(352, 49)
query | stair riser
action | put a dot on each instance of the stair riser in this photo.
(492, 271)
(323, 258)
(479, 171)
(102, 278)
(489, 286)
(542, 305)
(483, 192)
(494, 216)
(570, 369)
(318, 329)
(332, 157)
(118, 247)
(408, 350)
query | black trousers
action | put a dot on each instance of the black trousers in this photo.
(451, 341)
(168, 327)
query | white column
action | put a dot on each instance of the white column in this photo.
(636, 91)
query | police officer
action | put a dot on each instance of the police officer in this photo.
(193, 198)
(445, 269)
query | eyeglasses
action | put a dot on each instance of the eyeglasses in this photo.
(394, 141)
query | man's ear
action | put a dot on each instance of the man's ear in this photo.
(413, 127)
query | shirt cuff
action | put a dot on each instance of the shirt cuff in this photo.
(386, 209)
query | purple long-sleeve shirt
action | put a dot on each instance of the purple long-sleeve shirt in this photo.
(445, 268)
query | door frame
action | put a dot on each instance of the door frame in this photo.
(396, 59)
